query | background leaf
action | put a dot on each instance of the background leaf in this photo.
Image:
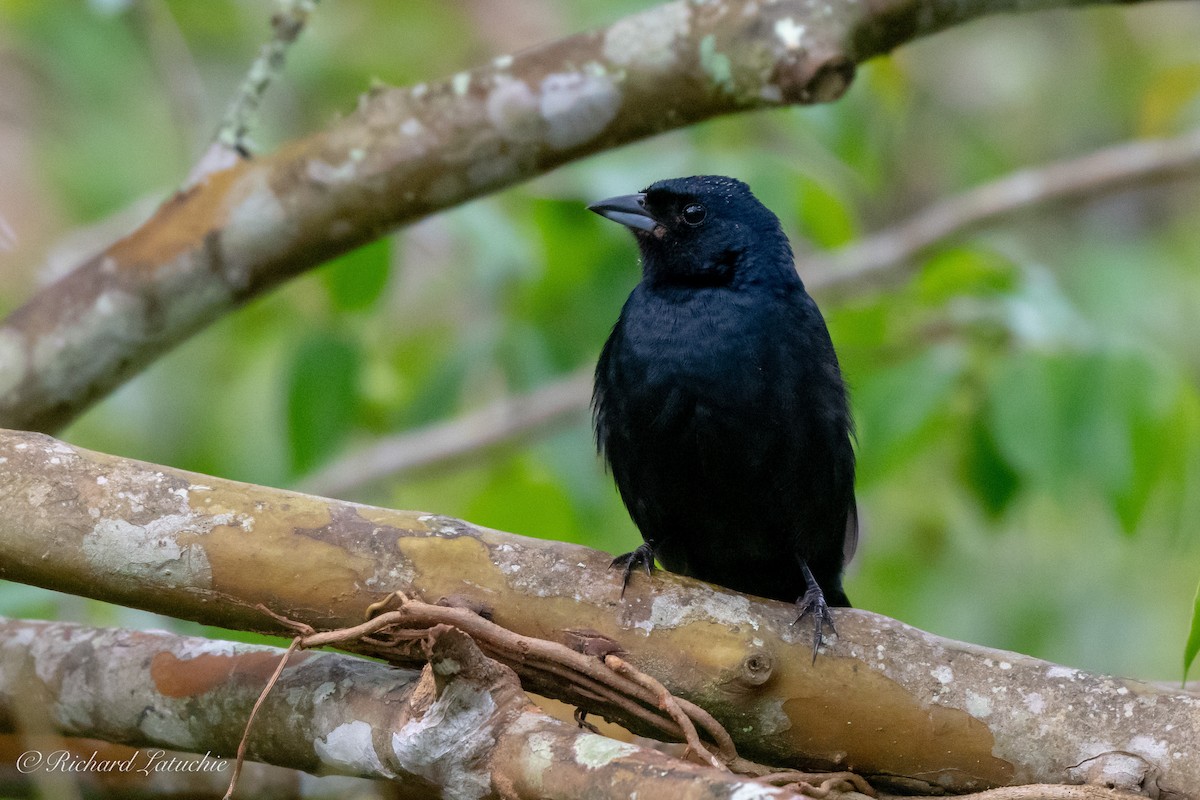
(322, 398)
(1192, 648)
(356, 280)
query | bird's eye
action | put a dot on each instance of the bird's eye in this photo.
(694, 214)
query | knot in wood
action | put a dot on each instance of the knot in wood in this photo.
(813, 78)
(1118, 769)
(756, 669)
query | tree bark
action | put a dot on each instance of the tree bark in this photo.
(895, 704)
(460, 729)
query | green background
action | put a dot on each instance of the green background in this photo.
(1026, 395)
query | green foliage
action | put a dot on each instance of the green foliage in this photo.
(825, 218)
(898, 408)
(992, 479)
(1058, 419)
(357, 280)
(957, 271)
(322, 398)
(1192, 648)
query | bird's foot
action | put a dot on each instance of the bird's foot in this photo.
(813, 603)
(642, 557)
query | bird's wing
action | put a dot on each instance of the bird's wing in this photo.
(850, 543)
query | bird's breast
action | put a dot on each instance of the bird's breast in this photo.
(697, 338)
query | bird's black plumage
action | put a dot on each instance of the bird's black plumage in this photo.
(719, 403)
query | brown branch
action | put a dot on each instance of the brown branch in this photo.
(240, 759)
(958, 716)
(405, 153)
(1100, 172)
(232, 142)
(504, 422)
(461, 725)
(1040, 791)
(577, 676)
(666, 702)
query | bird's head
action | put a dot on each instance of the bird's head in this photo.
(707, 230)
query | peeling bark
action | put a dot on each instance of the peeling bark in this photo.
(405, 153)
(885, 700)
(460, 729)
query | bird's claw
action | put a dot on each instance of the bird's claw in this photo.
(813, 602)
(642, 557)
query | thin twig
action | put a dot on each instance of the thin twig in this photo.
(1099, 172)
(503, 422)
(1038, 791)
(667, 702)
(286, 24)
(828, 782)
(243, 744)
(231, 141)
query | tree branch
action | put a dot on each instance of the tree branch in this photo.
(504, 422)
(462, 725)
(406, 153)
(885, 700)
(232, 139)
(1100, 172)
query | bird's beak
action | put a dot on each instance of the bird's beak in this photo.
(628, 209)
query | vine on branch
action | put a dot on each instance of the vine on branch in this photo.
(404, 626)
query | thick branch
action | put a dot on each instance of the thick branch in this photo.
(408, 152)
(884, 699)
(461, 728)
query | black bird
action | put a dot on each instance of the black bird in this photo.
(720, 406)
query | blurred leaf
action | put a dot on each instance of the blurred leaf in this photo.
(1166, 97)
(889, 84)
(1156, 434)
(576, 299)
(825, 218)
(861, 326)
(992, 479)
(524, 354)
(356, 280)
(524, 497)
(322, 398)
(501, 252)
(121, 145)
(433, 379)
(1193, 642)
(964, 271)
(896, 406)
(20, 600)
(1096, 418)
